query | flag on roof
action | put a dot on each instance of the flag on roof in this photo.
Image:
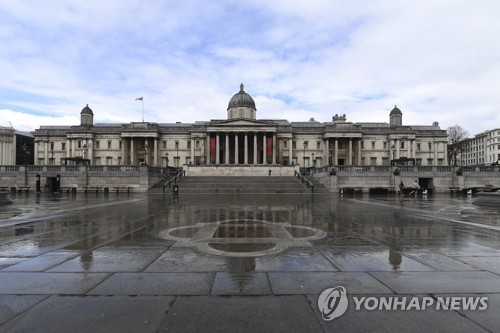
(139, 99)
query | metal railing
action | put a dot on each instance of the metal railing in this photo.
(304, 180)
(174, 179)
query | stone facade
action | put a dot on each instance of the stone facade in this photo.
(482, 149)
(241, 140)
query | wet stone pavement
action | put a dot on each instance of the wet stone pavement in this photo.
(214, 263)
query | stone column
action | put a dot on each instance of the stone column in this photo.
(226, 155)
(349, 153)
(217, 149)
(326, 152)
(193, 140)
(132, 152)
(207, 151)
(246, 148)
(46, 153)
(359, 151)
(436, 148)
(255, 148)
(123, 151)
(290, 151)
(274, 148)
(397, 148)
(336, 152)
(155, 161)
(236, 151)
(35, 153)
(67, 149)
(264, 148)
(413, 147)
(408, 149)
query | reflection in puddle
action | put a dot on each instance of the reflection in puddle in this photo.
(243, 247)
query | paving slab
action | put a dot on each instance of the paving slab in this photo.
(156, 284)
(42, 262)
(93, 314)
(488, 318)
(294, 259)
(241, 314)
(31, 247)
(241, 284)
(12, 305)
(6, 262)
(48, 283)
(490, 264)
(185, 259)
(438, 261)
(368, 259)
(440, 282)
(396, 321)
(111, 259)
(298, 283)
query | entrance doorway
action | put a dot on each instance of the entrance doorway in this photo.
(52, 184)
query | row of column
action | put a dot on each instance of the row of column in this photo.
(221, 153)
(350, 152)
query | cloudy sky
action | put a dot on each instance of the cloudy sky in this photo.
(437, 60)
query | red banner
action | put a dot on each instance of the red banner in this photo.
(212, 146)
(269, 147)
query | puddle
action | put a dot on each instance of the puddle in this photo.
(243, 247)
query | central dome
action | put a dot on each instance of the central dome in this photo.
(241, 99)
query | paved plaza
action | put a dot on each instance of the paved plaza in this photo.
(155, 262)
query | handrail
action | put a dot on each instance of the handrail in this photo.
(304, 180)
(174, 179)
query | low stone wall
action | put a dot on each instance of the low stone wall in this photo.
(237, 171)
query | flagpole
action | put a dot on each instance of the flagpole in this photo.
(142, 100)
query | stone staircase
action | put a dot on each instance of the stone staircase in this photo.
(242, 185)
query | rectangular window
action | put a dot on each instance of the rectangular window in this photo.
(285, 144)
(164, 144)
(79, 144)
(189, 145)
(294, 145)
(385, 144)
(63, 145)
(97, 144)
(402, 145)
(318, 145)
(418, 146)
(120, 144)
(306, 144)
(373, 144)
(362, 145)
(109, 144)
(373, 161)
(197, 144)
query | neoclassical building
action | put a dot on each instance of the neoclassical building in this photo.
(243, 139)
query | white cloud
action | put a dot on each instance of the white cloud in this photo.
(438, 60)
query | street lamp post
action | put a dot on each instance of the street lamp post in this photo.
(52, 153)
(304, 157)
(177, 158)
(430, 146)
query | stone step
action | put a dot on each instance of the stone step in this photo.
(241, 185)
